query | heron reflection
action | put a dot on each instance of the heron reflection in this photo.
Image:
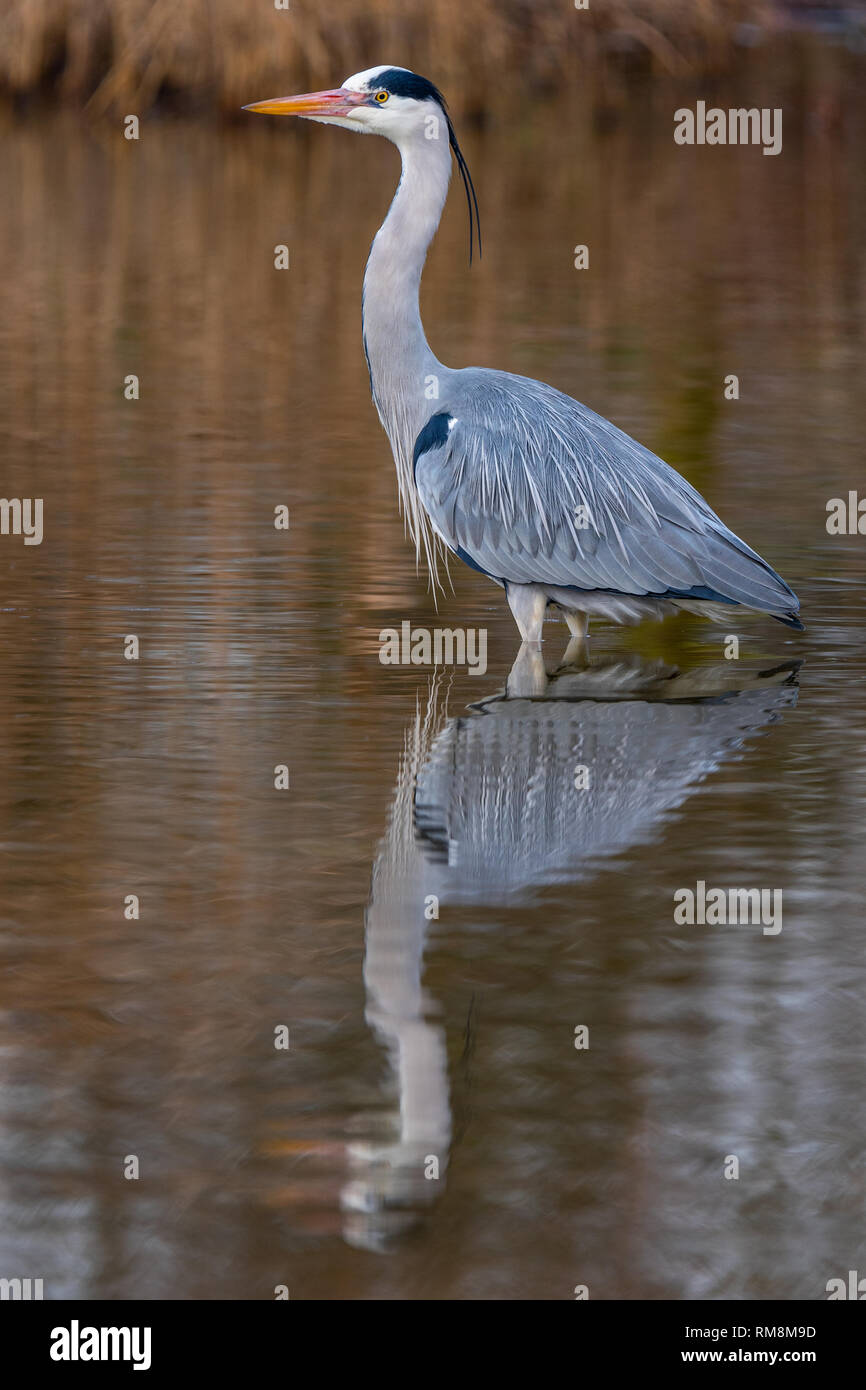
(536, 784)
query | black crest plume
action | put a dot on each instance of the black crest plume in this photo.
(401, 83)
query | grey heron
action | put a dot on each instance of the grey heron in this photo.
(523, 483)
(485, 812)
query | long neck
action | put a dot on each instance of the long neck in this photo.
(400, 360)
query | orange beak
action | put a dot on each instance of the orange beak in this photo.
(334, 103)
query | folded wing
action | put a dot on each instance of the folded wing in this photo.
(530, 486)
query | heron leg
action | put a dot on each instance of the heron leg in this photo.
(577, 651)
(528, 677)
(527, 603)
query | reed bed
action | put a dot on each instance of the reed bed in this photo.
(212, 54)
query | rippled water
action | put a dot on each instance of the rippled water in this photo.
(413, 1035)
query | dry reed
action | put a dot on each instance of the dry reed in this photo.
(131, 54)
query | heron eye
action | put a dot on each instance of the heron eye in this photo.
(382, 97)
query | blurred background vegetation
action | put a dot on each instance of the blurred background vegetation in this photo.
(211, 54)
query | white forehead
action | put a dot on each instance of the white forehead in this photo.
(360, 81)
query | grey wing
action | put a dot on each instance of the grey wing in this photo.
(530, 486)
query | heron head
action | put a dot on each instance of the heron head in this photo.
(388, 101)
(385, 101)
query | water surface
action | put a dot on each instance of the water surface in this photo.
(414, 1036)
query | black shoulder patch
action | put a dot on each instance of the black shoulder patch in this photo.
(432, 436)
(473, 564)
(406, 84)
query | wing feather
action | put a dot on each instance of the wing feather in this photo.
(506, 485)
